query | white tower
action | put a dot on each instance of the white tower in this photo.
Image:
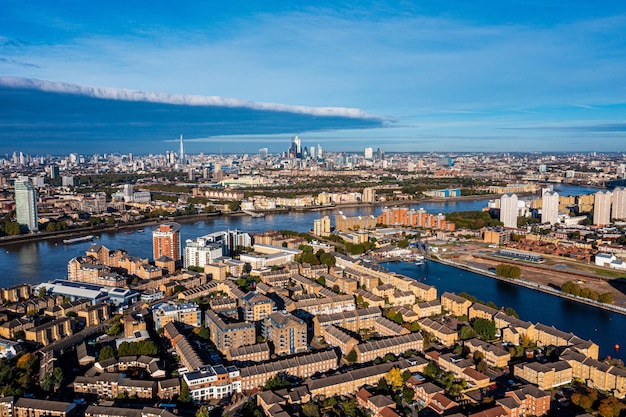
(182, 151)
(508, 210)
(602, 208)
(550, 207)
(619, 203)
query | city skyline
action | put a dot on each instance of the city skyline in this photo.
(482, 77)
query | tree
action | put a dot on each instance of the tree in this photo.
(466, 332)
(382, 385)
(202, 412)
(485, 329)
(610, 407)
(185, 394)
(234, 205)
(394, 378)
(276, 382)
(311, 409)
(431, 370)
(107, 352)
(606, 298)
(115, 329)
(351, 356)
(52, 381)
(403, 244)
(510, 312)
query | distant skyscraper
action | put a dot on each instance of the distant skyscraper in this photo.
(550, 207)
(320, 153)
(445, 161)
(619, 203)
(508, 210)
(263, 152)
(26, 204)
(182, 151)
(166, 241)
(368, 153)
(296, 147)
(602, 208)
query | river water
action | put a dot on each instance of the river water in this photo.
(36, 262)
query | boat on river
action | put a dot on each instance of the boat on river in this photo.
(78, 239)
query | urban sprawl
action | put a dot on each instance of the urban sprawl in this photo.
(292, 323)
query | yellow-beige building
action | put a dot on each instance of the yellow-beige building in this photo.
(48, 333)
(545, 376)
(456, 305)
(442, 333)
(286, 332)
(395, 345)
(494, 355)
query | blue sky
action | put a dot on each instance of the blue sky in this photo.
(438, 76)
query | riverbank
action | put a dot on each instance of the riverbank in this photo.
(532, 285)
(94, 230)
(82, 231)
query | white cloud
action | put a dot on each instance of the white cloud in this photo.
(178, 99)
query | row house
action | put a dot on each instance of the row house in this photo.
(456, 305)
(345, 285)
(481, 311)
(31, 407)
(355, 320)
(385, 327)
(369, 298)
(408, 315)
(596, 374)
(312, 271)
(377, 405)
(427, 309)
(51, 332)
(395, 345)
(349, 383)
(327, 305)
(9, 328)
(512, 329)
(494, 356)
(545, 376)
(71, 306)
(401, 298)
(423, 291)
(302, 366)
(365, 280)
(532, 401)
(258, 352)
(308, 286)
(425, 392)
(16, 293)
(334, 336)
(551, 336)
(440, 331)
(95, 315)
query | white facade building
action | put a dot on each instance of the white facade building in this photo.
(26, 204)
(619, 204)
(602, 208)
(508, 210)
(550, 207)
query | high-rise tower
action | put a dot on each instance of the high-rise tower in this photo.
(508, 210)
(619, 203)
(602, 208)
(166, 241)
(26, 204)
(182, 151)
(550, 207)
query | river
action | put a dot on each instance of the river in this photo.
(36, 262)
(41, 261)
